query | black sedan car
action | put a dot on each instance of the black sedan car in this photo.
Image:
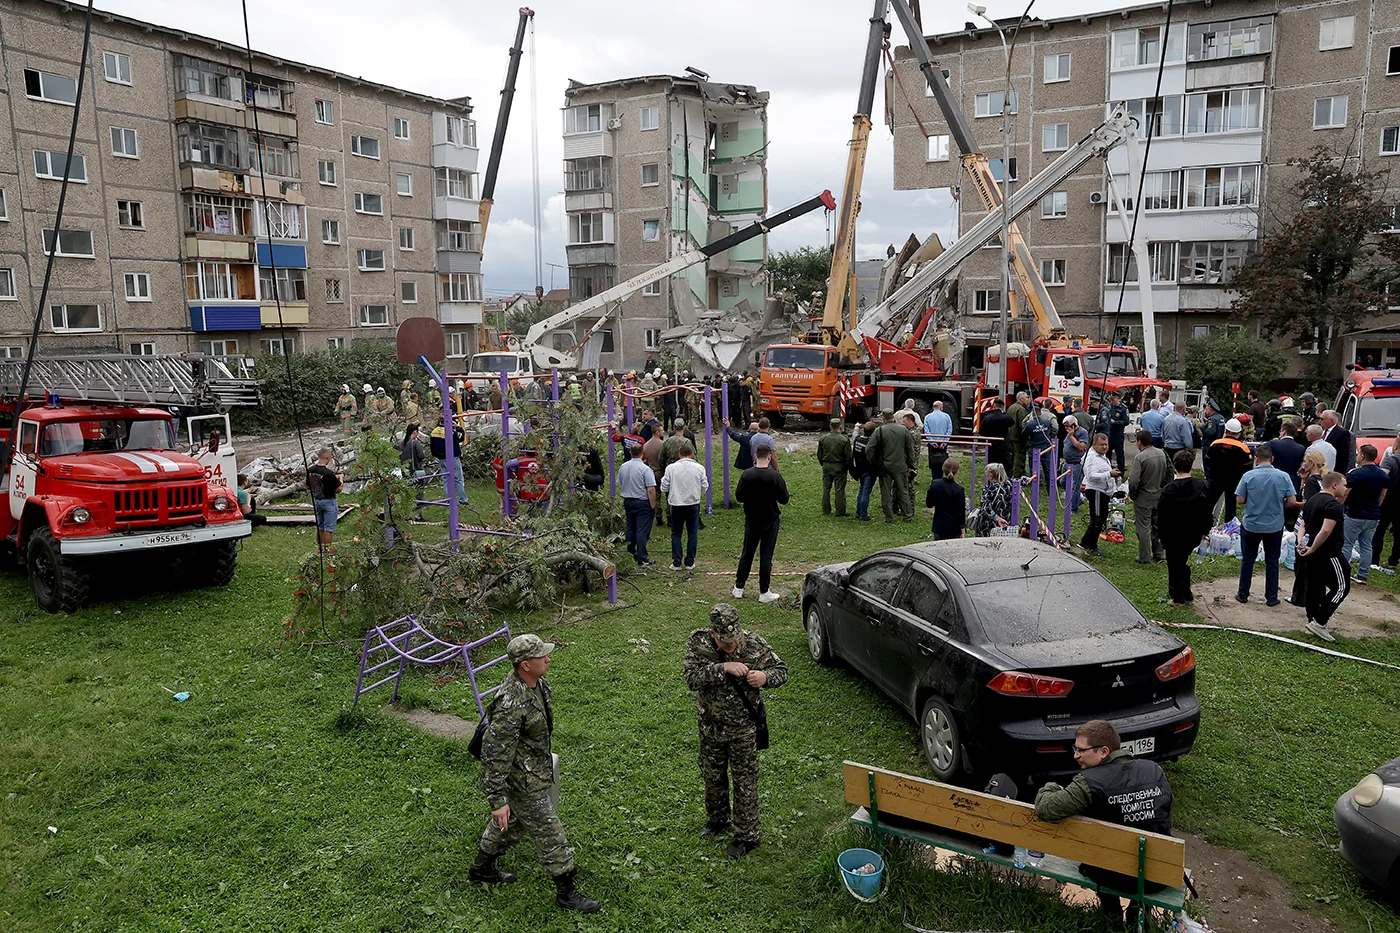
(1000, 648)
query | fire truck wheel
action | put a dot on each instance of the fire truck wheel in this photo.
(222, 561)
(60, 583)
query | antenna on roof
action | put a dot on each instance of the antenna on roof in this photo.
(703, 76)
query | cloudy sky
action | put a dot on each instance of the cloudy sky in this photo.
(806, 53)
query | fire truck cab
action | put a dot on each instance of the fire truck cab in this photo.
(1369, 403)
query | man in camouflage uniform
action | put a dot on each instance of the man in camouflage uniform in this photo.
(346, 409)
(719, 662)
(517, 773)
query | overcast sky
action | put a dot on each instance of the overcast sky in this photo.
(805, 53)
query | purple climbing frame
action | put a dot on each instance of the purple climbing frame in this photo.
(403, 642)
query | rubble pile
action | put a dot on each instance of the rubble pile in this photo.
(268, 479)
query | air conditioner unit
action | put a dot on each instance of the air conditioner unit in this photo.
(615, 123)
(1097, 197)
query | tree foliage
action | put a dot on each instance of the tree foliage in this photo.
(801, 271)
(526, 313)
(1216, 361)
(315, 384)
(1325, 266)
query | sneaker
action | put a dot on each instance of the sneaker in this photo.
(675, 566)
(1320, 631)
(1241, 599)
(1359, 581)
(738, 592)
(1272, 603)
(769, 597)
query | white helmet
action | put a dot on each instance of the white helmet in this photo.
(380, 390)
(344, 388)
(657, 372)
(368, 387)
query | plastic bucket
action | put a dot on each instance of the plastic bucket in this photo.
(863, 887)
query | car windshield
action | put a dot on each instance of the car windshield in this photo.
(795, 358)
(1378, 416)
(494, 362)
(106, 434)
(1118, 363)
(1051, 608)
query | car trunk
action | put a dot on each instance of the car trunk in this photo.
(1114, 674)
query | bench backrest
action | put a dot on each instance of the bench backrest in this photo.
(1089, 842)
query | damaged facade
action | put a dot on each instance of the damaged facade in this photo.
(655, 167)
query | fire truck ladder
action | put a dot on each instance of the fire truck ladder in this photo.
(191, 380)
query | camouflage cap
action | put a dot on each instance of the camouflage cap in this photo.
(724, 621)
(525, 647)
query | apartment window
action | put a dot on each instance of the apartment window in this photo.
(1054, 137)
(649, 118)
(374, 315)
(461, 132)
(452, 183)
(267, 94)
(75, 243)
(990, 104)
(275, 157)
(368, 203)
(1055, 204)
(937, 148)
(116, 67)
(1208, 41)
(124, 144)
(279, 219)
(1123, 264)
(1392, 62)
(57, 89)
(208, 79)
(651, 230)
(588, 174)
(1056, 68)
(138, 286)
(325, 172)
(75, 317)
(1133, 48)
(587, 281)
(1390, 140)
(130, 215)
(282, 283)
(365, 146)
(406, 238)
(1392, 224)
(212, 281)
(652, 289)
(1335, 33)
(459, 236)
(652, 335)
(219, 146)
(1329, 112)
(401, 128)
(651, 174)
(335, 343)
(334, 290)
(1161, 191)
(403, 183)
(460, 286)
(584, 119)
(330, 231)
(408, 293)
(1214, 262)
(4, 206)
(1224, 111)
(586, 228)
(7, 285)
(947, 77)
(325, 112)
(142, 349)
(284, 346)
(1052, 271)
(1160, 116)
(458, 344)
(986, 299)
(218, 347)
(995, 166)
(1226, 186)
(370, 260)
(49, 163)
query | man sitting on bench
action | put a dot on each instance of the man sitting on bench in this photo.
(1115, 787)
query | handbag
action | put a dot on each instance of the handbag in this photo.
(757, 712)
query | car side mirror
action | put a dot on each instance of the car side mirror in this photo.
(843, 577)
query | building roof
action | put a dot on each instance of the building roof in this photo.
(460, 104)
(558, 296)
(719, 93)
(977, 31)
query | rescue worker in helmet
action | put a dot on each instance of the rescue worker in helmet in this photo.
(1309, 410)
(1273, 424)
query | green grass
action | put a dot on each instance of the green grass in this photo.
(263, 804)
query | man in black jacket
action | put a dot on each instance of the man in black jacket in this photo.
(997, 424)
(761, 491)
(1340, 438)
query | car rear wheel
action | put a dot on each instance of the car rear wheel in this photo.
(938, 732)
(817, 644)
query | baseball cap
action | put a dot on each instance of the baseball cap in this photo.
(525, 647)
(724, 621)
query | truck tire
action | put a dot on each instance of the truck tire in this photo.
(60, 583)
(776, 418)
(221, 560)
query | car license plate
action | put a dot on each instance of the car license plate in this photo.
(1141, 746)
(791, 407)
(178, 537)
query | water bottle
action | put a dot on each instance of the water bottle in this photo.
(1033, 858)
(1019, 857)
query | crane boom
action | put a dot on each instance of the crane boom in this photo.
(840, 289)
(498, 136)
(602, 304)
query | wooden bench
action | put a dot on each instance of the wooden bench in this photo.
(963, 821)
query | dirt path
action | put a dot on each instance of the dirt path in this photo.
(1369, 612)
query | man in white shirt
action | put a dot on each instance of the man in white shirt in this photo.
(685, 484)
(637, 483)
(1315, 442)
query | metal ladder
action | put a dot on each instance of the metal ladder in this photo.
(192, 380)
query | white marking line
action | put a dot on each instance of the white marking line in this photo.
(165, 463)
(146, 465)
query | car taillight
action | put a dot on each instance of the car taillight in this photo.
(1184, 661)
(1014, 683)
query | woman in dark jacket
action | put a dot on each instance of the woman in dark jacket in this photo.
(1183, 519)
(949, 503)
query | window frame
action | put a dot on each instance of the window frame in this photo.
(335, 295)
(1056, 127)
(116, 58)
(642, 121)
(1063, 206)
(1060, 76)
(357, 147)
(937, 147)
(656, 170)
(135, 138)
(277, 346)
(43, 94)
(69, 329)
(324, 115)
(410, 247)
(1392, 61)
(406, 288)
(1322, 25)
(335, 343)
(362, 255)
(1332, 111)
(987, 97)
(135, 278)
(92, 243)
(365, 317)
(407, 128)
(652, 289)
(325, 169)
(651, 338)
(1394, 132)
(142, 348)
(48, 159)
(329, 225)
(4, 206)
(399, 178)
(983, 297)
(8, 272)
(654, 224)
(134, 209)
(1060, 266)
(360, 202)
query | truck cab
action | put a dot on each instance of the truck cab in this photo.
(1369, 403)
(485, 369)
(800, 380)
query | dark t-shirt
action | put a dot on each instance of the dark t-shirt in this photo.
(322, 482)
(761, 490)
(1366, 484)
(1321, 507)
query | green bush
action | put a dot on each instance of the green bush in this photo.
(1217, 361)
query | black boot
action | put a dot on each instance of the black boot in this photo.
(484, 871)
(568, 897)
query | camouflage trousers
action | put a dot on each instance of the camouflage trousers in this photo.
(533, 816)
(721, 759)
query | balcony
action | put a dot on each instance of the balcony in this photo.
(294, 314)
(224, 315)
(459, 312)
(588, 184)
(454, 142)
(228, 113)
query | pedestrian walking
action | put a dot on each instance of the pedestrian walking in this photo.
(636, 483)
(1151, 471)
(863, 469)
(1321, 551)
(1072, 450)
(725, 667)
(346, 409)
(1018, 411)
(1264, 492)
(938, 431)
(684, 484)
(762, 492)
(1228, 459)
(889, 448)
(948, 500)
(1099, 480)
(324, 484)
(997, 425)
(518, 774)
(995, 510)
(834, 455)
(1183, 519)
(1367, 486)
